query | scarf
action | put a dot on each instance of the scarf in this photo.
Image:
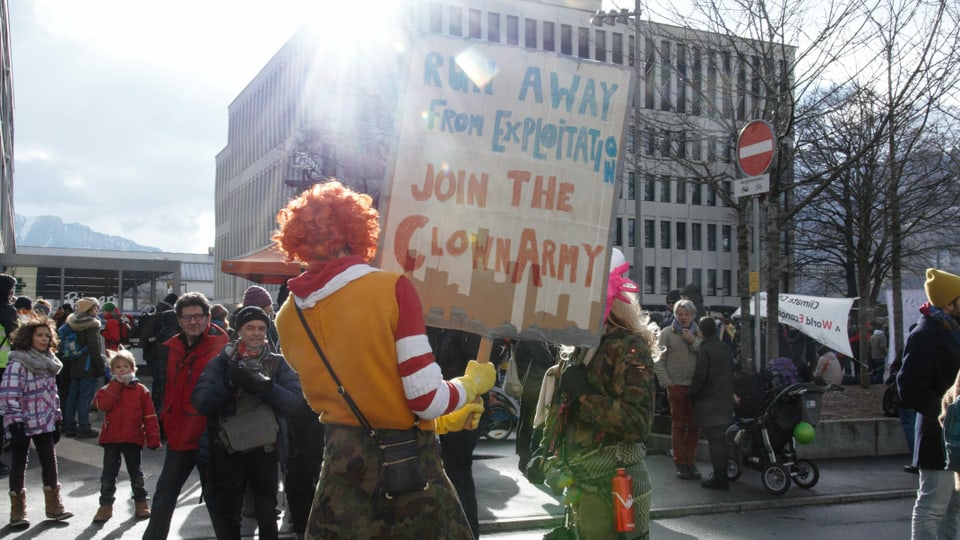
(37, 362)
(947, 321)
(679, 329)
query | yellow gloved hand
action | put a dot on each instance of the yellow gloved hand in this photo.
(466, 417)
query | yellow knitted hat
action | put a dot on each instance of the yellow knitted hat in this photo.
(942, 287)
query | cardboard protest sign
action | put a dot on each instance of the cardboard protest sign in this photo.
(502, 189)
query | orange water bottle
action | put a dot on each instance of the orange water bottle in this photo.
(623, 501)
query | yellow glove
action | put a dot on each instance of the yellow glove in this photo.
(466, 417)
(477, 379)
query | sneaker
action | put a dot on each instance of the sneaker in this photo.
(69, 432)
(911, 469)
(88, 433)
(683, 472)
(694, 473)
(716, 482)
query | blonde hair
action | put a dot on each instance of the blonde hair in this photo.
(629, 316)
(123, 355)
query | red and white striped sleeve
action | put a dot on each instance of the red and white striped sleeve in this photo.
(428, 395)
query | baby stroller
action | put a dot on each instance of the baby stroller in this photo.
(765, 442)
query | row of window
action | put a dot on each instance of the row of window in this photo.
(672, 190)
(684, 277)
(685, 78)
(669, 240)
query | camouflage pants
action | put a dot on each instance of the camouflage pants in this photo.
(347, 503)
(594, 512)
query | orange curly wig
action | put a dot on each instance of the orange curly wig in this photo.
(328, 217)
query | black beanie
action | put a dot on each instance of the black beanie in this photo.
(251, 313)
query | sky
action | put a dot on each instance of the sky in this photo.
(120, 108)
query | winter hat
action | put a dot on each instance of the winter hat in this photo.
(42, 307)
(108, 307)
(617, 282)
(86, 304)
(23, 302)
(256, 296)
(251, 313)
(7, 283)
(942, 287)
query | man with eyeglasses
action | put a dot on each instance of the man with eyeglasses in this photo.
(188, 353)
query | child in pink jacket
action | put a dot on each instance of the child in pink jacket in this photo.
(130, 421)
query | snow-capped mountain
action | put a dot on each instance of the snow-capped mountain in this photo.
(51, 231)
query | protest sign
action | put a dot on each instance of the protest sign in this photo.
(500, 199)
(823, 319)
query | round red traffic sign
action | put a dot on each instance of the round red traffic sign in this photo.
(755, 147)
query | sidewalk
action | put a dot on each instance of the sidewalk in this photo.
(507, 502)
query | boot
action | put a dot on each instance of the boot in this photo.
(142, 509)
(55, 511)
(18, 510)
(717, 481)
(104, 513)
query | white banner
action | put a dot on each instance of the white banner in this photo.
(823, 319)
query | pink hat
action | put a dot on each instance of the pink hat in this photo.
(256, 296)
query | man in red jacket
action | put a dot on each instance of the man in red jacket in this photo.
(189, 352)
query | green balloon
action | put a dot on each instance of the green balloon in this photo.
(803, 433)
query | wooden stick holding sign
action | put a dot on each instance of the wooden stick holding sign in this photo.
(483, 357)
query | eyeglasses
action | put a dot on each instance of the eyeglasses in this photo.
(193, 318)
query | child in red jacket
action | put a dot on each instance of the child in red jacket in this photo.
(129, 421)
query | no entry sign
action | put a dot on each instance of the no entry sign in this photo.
(755, 147)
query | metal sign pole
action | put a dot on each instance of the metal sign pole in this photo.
(756, 298)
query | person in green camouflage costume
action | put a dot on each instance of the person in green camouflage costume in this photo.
(608, 414)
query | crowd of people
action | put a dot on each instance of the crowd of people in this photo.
(239, 397)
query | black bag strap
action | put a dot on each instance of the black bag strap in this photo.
(343, 392)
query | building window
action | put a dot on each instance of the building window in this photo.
(664, 279)
(651, 145)
(548, 36)
(727, 284)
(600, 46)
(681, 191)
(632, 186)
(697, 188)
(681, 277)
(711, 196)
(665, 78)
(631, 232)
(711, 282)
(725, 240)
(530, 33)
(696, 81)
(665, 143)
(566, 39)
(583, 42)
(695, 236)
(617, 48)
(618, 233)
(475, 22)
(648, 233)
(493, 27)
(681, 235)
(665, 234)
(697, 278)
(456, 21)
(513, 30)
(665, 189)
(648, 276)
(711, 237)
(681, 78)
(649, 187)
(696, 148)
(436, 18)
(649, 74)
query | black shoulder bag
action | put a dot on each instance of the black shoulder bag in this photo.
(400, 472)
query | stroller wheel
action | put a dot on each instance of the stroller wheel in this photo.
(734, 470)
(775, 478)
(805, 473)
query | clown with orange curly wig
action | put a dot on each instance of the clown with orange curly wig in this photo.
(370, 326)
